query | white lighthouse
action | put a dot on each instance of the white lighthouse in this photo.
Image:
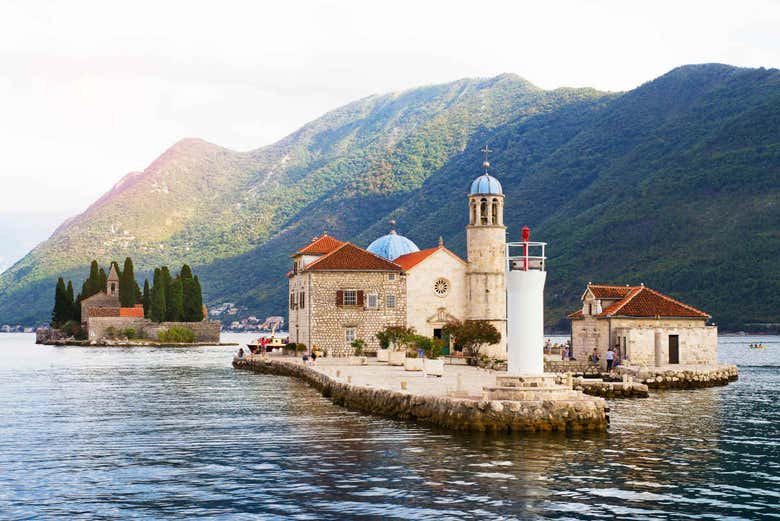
(525, 278)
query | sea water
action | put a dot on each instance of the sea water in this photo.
(177, 433)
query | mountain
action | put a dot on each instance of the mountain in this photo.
(674, 184)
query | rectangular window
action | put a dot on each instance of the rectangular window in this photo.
(372, 301)
(292, 300)
(390, 301)
(350, 334)
(350, 297)
(302, 299)
(391, 276)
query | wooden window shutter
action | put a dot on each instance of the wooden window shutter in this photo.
(360, 299)
(339, 298)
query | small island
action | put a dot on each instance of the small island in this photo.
(113, 310)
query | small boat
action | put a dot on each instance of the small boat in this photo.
(757, 346)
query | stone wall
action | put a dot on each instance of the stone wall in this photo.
(329, 322)
(447, 412)
(206, 331)
(689, 378)
(698, 342)
(426, 310)
(97, 327)
(486, 277)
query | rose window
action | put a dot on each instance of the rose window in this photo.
(441, 287)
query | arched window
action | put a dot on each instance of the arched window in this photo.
(483, 210)
(494, 213)
(473, 214)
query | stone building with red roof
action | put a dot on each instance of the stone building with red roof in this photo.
(643, 326)
(339, 292)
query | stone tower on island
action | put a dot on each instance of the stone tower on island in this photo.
(486, 250)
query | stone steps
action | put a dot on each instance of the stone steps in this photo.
(513, 393)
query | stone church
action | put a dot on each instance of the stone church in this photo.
(339, 292)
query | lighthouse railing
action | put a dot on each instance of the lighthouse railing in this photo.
(525, 256)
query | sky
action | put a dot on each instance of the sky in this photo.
(91, 90)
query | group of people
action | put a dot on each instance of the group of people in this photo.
(612, 356)
(312, 357)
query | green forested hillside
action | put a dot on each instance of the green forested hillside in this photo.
(674, 184)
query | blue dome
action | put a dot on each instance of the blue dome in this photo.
(486, 185)
(392, 246)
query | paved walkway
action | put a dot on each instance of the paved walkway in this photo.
(458, 380)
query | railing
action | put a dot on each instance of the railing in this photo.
(524, 256)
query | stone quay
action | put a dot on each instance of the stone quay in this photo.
(464, 398)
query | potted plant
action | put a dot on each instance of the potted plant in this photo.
(383, 353)
(397, 338)
(358, 345)
(434, 365)
(412, 362)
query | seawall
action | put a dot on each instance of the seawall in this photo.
(462, 414)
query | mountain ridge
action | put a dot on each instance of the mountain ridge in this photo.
(565, 156)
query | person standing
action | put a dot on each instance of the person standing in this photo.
(610, 359)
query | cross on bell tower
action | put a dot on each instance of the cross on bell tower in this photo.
(486, 163)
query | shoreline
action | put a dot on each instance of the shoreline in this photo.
(149, 343)
(428, 401)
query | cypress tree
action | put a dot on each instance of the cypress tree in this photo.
(77, 308)
(71, 302)
(188, 291)
(92, 285)
(127, 285)
(165, 281)
(198, 302)
(62, 309)
(146, 298)
(102, 280)
(174, 313)
(157, 304)
(139, 297)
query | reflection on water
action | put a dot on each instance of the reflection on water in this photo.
(177, 433)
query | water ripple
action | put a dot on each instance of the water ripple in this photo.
(177, 434)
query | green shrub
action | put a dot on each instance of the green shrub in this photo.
(358, 345)
(180, 335)
(129, 333)
(72, 328)
(110, 332)
(300, 348)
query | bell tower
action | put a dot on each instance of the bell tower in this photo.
(486, 250)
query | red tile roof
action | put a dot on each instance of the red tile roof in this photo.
(609, 292)
(349, 257)
(643, 302)
(416, 257)
(410, 260)
(132, 312)
(320, 246)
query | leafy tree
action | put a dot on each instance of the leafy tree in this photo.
(175, 304)
(472, 334)
(146, 298)
(127, 285)
(63, 307)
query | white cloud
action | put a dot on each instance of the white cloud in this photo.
(92, 90)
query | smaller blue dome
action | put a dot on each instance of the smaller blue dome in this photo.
(392, 246)
(486, 184)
